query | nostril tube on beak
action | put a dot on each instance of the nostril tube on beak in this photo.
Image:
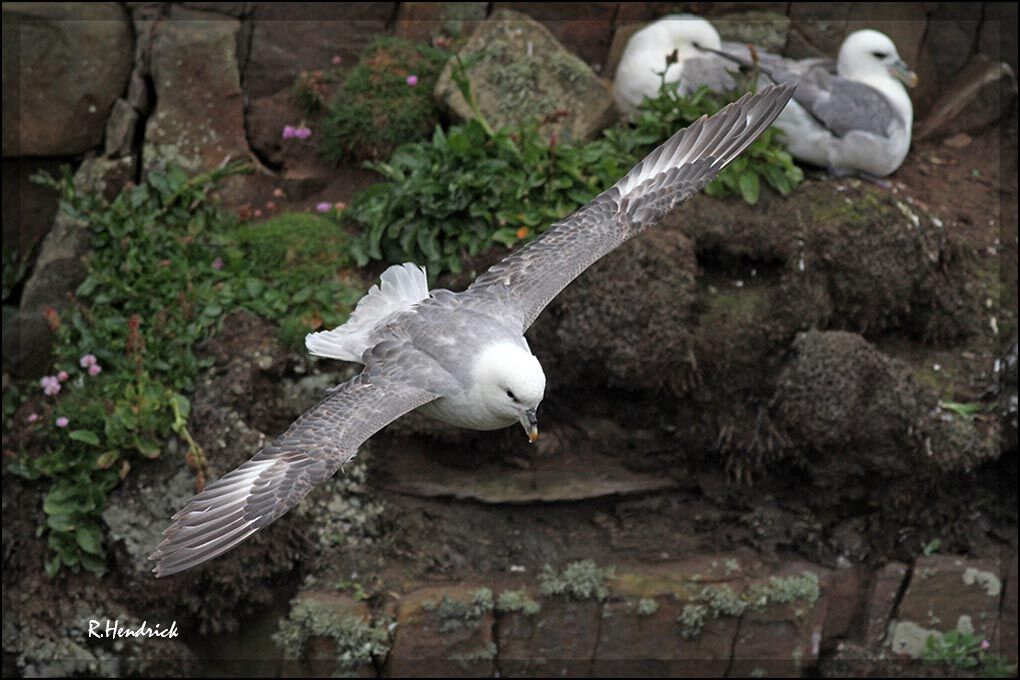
(529, 420)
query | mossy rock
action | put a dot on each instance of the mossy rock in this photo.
(518, 72)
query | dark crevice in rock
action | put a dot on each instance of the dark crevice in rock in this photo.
(901, 592)
(138, 143)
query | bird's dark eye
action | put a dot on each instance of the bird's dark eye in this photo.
(511, 395)
(880, 55)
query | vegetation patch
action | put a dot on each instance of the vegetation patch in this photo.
(967, 652)
(647, 606)
(471, 187)
(581, 580)
(165, 267)
(358, 639)
(517, 601)
(455, 614)
(721, 600)
(385, 101)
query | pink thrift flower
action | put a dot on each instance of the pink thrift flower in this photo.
(217, 264)
(288, 132)
(50, 385)
(32, 417)
(336, 59)
(412, 80)
(87, 360)
(986, 645)
(62, 421)
(323, 207)
(303, 132)
(95, 369)
(62, 376)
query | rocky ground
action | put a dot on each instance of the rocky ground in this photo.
(746, 466)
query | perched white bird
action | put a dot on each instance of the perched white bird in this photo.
(857, 120)
(693, 39)
(459, 357)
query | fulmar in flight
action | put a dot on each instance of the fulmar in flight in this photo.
(459, 357)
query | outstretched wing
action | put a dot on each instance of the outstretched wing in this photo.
(522, 284)
(328, 435)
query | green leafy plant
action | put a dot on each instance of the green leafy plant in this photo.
(471, 187)
(466, 190)
(966, 651)
(967, 411)
(166, 266)
(386, 100)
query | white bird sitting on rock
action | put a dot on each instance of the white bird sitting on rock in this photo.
(638, 75)
(459, 357)
(856, 121)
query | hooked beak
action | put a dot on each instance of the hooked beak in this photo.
(902, 73)
(529, 420)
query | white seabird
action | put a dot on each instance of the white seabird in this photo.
(459, 357)
(697, 65)
(857, 120)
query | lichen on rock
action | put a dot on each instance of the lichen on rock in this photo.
(519, 72)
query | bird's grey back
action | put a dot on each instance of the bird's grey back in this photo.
(451, 329)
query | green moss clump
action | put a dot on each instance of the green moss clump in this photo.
(454, 614)
(783, 590)
(376, 109)
(517, 601)
(723, 601)
(357, 640)
(647, 606)
(293, 269)
(692, 620)
(580, 581)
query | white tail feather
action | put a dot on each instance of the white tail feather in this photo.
(401, 287)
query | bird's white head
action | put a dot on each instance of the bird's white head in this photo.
(689, 35)
(509, 384)
(868, 54)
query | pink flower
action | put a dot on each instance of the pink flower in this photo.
(32, 417)
(87, 360)
(217, 264)
(50, 385)
(278, 192)
(412, 80)
(303, 132)
(62, 376)
(95, 369)
(336, 59)
(62, 421)
(323, 207)
(986, 645)
(288, 131)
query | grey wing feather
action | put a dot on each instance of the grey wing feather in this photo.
(522, 284)
(261, 490)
